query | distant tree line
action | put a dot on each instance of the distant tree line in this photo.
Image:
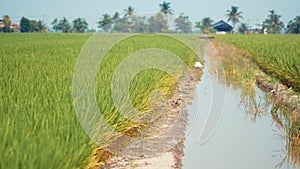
(158, 23)
(130, 22)
(26, 25)
(32, 25)
(272, 24)
(294, 26)
(78, 25)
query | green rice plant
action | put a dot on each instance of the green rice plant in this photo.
(38, 123)
(143, 83)
(38, 126)
(277, 55)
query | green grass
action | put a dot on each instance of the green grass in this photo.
(277, 55)
(38, 123)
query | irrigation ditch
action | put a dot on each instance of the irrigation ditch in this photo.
(280, 105)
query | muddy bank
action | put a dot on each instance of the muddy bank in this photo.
(161, 144)
(241, 70)
(280, 93)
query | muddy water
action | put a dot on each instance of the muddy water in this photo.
(247, 137)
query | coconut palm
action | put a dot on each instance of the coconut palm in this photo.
(129, 12)
(234, 15)
(165, 7)
(294, 25)
(129, 15)
(118, 23)
(273, 23)
(105, 22)
(116, 16)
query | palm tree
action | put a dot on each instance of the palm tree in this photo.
(294, 25)
(234, 15)
(165, 7)
(116, 16)
(128, 14)
(272, 12)
(115, 19)
(7, 21)
(273, 23)
(105, 22)
(54, 24)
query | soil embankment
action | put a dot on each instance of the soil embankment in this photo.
(163, 141)
(242, 71)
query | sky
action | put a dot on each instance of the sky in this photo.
(254, 11)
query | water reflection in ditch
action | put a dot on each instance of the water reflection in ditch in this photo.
(255, 131)
(285, 120)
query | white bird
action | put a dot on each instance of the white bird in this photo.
(198, 65)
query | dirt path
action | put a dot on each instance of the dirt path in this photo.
(162, 145)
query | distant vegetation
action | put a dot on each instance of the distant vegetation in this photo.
(158, 23)
(294, 26)
(79, 25)
(32, 25)
(234, 15)
(205, 25)
(273, 24)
